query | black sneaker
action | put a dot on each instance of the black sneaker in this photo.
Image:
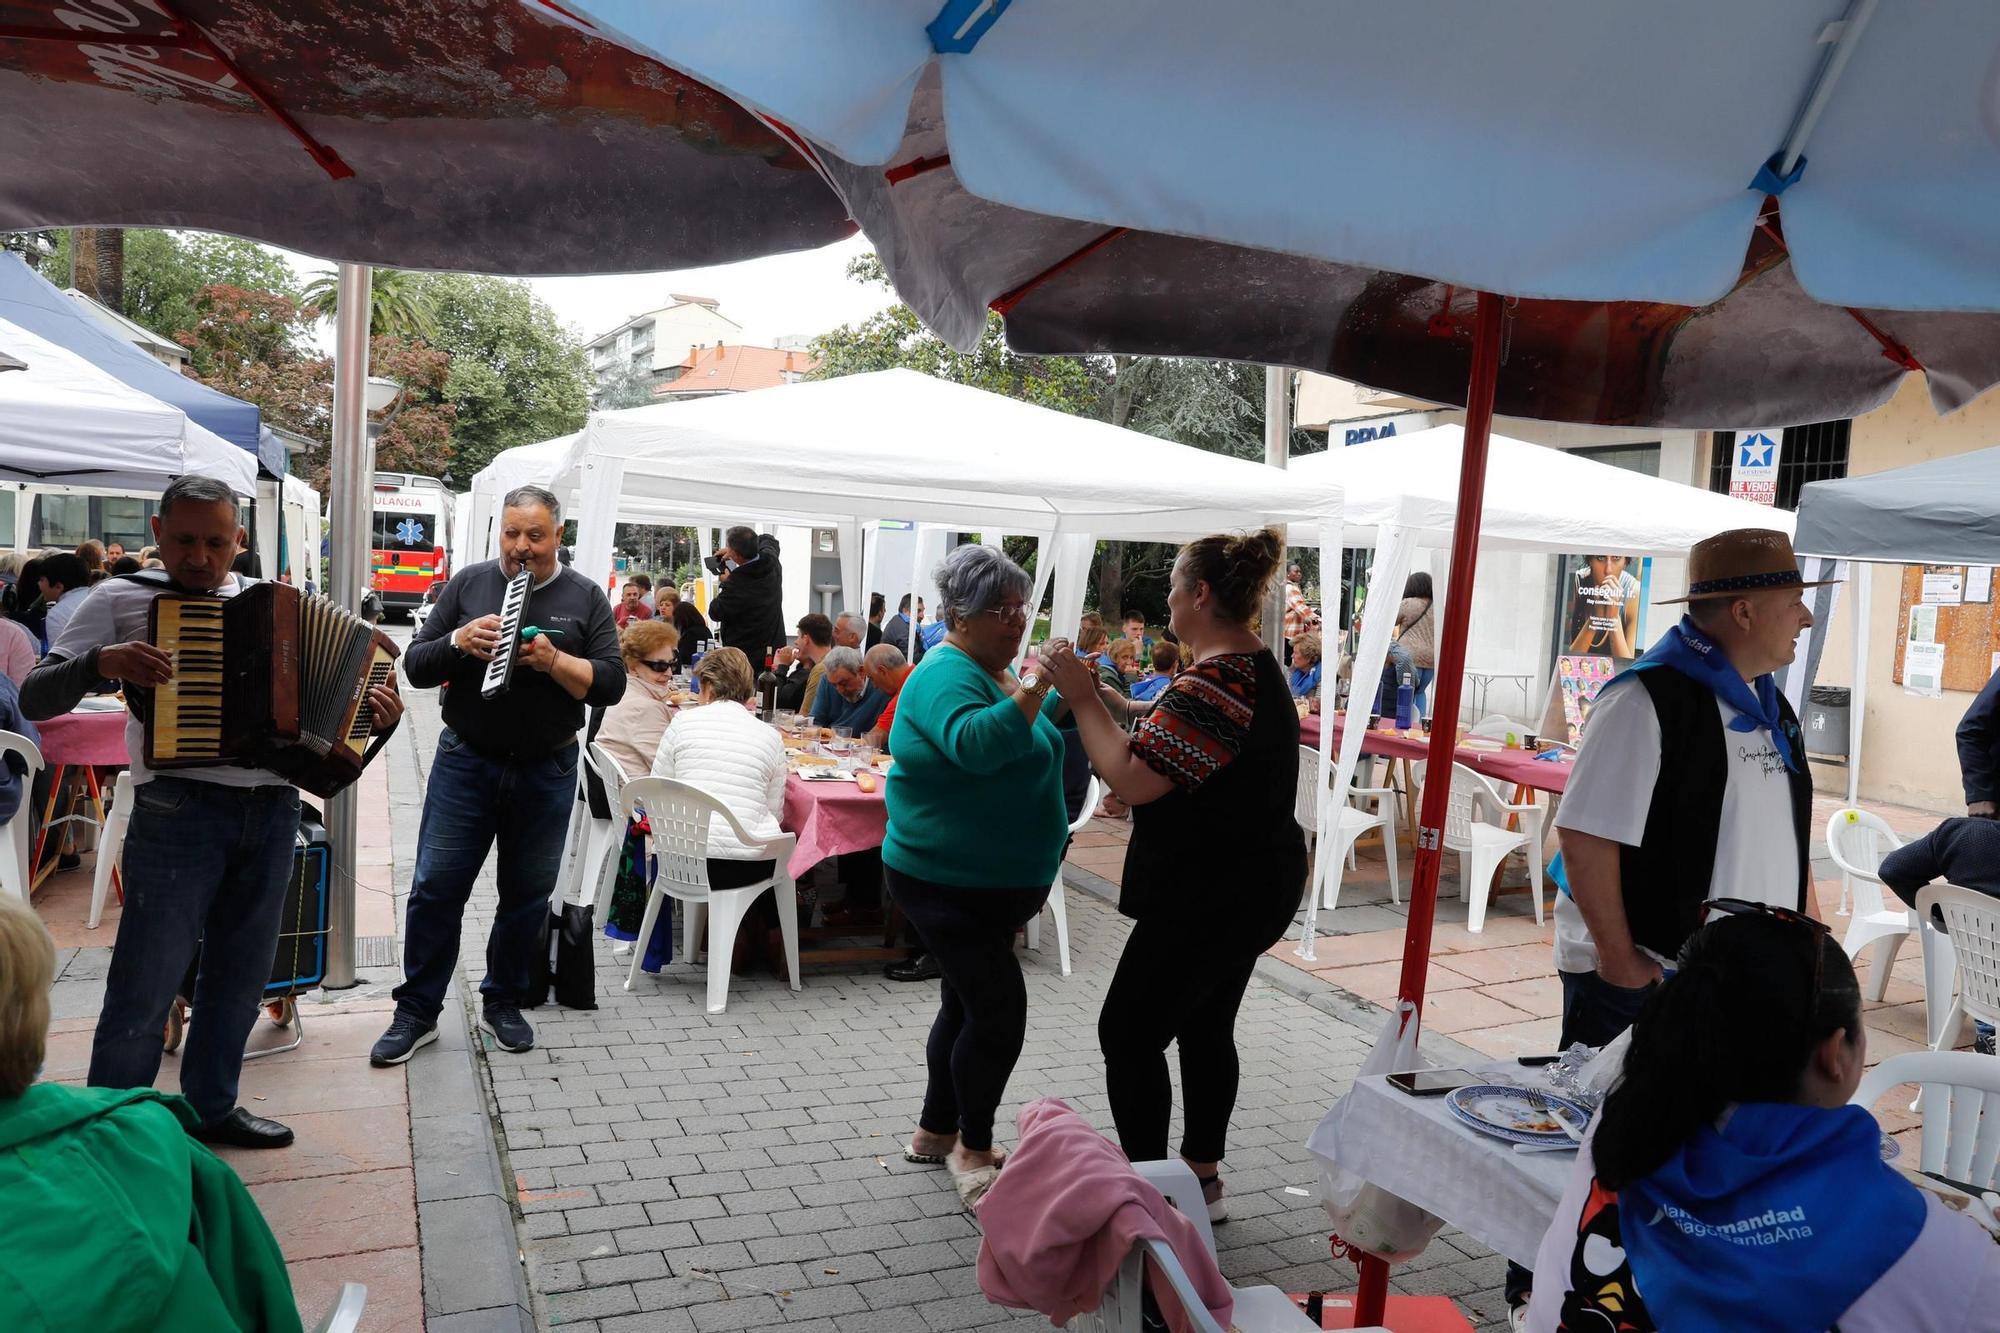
(1982, 1042)
(509, 1029)
(401, 1041)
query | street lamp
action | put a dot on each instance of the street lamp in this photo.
(382, 394)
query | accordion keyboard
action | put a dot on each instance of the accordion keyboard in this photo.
(379, 673)
(187, 710)
(513, 609)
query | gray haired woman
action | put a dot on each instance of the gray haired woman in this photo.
(976, 833)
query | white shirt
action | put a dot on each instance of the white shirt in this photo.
(60, 612)
(115, 612)
(1611, 791)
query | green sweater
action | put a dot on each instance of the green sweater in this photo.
(975, 799)
(119, 1221)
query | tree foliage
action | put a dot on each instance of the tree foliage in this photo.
(516, 375)
(254, 345)
(629, 387)
(895, 338)
(398, 305)
(417, 433)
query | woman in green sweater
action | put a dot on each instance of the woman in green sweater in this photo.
(120, 1221)
(976, 834)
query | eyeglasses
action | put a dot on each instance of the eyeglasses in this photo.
(664, 668)
(1014, 611)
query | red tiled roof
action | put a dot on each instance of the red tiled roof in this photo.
(733, 368)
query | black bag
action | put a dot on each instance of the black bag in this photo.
(568, 965)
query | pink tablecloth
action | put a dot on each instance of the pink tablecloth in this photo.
(831, 818)
(1513, 766)
(97, 739)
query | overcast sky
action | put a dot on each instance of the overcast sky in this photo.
(806, 293)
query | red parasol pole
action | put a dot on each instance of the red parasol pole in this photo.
(1373, 1294)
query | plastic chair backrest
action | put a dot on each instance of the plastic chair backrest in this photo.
(1305, 806)
(345, 1316)
(609, 771)
(1857, 841)
(1958, 1086)
(679, 814)
(1469, 792)
(1973, 922)
(1092, 794)
(13, 742)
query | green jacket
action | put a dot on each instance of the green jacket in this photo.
(117, 1220)
(976, 798)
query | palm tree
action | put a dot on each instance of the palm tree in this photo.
(398, 304)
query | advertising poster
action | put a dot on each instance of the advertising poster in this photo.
(1578, 680)
(1602, 606)
(1944, 585)
(1753, 473)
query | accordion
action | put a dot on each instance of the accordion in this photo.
(269, 679)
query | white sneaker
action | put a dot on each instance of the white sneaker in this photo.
(1517, 1317)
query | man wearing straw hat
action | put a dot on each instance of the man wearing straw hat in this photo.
(1691, 783)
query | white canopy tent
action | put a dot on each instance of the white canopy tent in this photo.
(476, 514)
(1402, 493)
(301, 508)
(895, 444)
(67, 426)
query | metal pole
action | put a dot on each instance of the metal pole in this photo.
(1277, 453)
(1444, 716)
(351, 490)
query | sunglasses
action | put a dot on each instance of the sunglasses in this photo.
(664, 668)
(1744, 907)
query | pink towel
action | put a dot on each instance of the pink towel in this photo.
(1065, 1213)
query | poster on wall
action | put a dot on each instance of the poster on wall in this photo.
(1603, 606)
(1944, 585)
(1578, 681)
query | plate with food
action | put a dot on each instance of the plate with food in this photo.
(1509, 1114)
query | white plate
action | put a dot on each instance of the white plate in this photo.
(1505, 1113)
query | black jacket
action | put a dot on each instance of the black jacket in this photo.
(535, 716)
(1979, 745)
(748, 609)
(1960, 851)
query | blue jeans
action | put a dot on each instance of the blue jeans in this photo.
(1425, 675)
(472, 804)
(205, 866)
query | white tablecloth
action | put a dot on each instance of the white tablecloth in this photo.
(1413, 1148)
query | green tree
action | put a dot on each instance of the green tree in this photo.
(516, 375)
(895, 338)
(254, 345)
(630, 387)
(398, 304)
(165, 272)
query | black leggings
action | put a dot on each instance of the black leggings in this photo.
(983, 1003)
(1181, 978)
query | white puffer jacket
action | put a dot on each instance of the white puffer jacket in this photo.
(723, 749)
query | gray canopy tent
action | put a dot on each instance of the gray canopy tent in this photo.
(1942, 512)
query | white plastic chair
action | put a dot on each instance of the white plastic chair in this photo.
(1496, 728)
(1483, 846)
(1057, 907)
(679, 814)
(1958, 1141)
(345, 1316)
(1348, 822)
(1972, 926)
(110, 846)
(1857, 841)
(1258, 1309)
(15, 873)
(603, 836)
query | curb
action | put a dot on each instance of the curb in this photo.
(469, 1246)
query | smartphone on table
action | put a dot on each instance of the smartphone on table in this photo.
(1433, 1082)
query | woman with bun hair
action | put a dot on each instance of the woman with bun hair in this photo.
(1729, 1184)
(1216, 864)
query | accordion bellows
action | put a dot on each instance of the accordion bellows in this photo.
(270, 679)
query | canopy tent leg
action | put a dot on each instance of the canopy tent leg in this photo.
(1857, 698)
(1444, 715)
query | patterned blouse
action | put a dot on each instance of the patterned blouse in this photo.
(1201, 721)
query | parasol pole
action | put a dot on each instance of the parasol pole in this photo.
(1374, 1289)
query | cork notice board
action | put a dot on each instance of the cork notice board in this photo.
(1965, 627)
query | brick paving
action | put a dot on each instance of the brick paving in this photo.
(679, 1172)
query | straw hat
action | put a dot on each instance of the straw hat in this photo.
(1739, 561)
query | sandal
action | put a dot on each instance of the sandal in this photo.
(910, 1154)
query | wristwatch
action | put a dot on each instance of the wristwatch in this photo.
(1033, 684)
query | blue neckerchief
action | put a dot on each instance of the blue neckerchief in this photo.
(1698, 657)
(1778, 1221)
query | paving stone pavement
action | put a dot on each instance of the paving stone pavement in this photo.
(677, 1172)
